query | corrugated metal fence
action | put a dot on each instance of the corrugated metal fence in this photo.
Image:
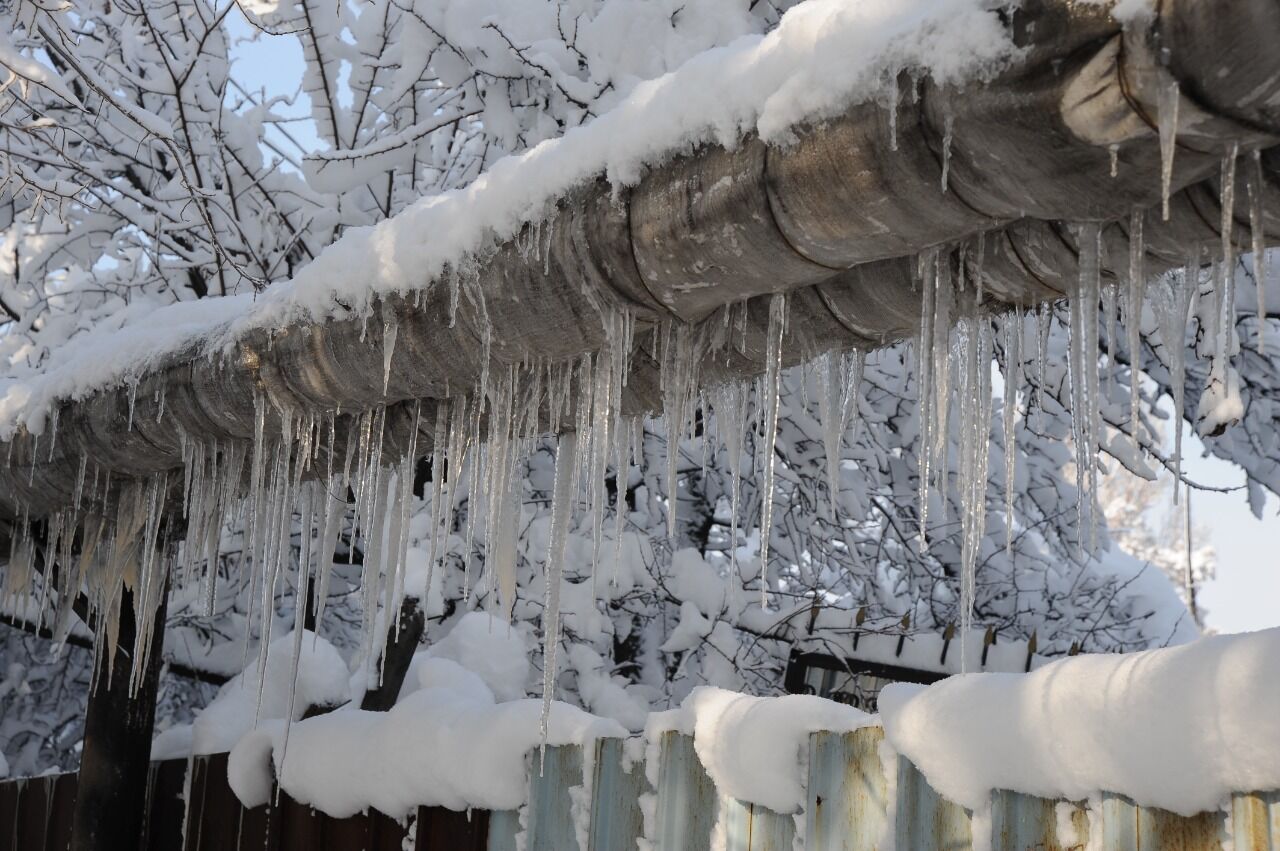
(847, 810)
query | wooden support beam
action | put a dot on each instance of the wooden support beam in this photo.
(403, 637)
(111, 797)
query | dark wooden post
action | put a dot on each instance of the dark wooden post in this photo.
(110, 810)
(403, 636)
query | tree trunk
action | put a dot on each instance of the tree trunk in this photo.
(110, 809)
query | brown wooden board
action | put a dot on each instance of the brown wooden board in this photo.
(64, 803)
(35, 805)
(441, 829)
(166, 808)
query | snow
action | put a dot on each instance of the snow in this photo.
(487, 646)
(756, 749)
(322, 679)
(446, 744)
(823, 56)
(1179, 728)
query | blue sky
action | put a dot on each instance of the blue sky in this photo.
(1246, 593)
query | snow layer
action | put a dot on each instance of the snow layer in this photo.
(446, 744)
(1179, 728)
(489, 647)
(823, 56)
(322, 680)
(756, 749)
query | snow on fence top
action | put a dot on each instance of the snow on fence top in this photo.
(1178, 728)
(824, 56)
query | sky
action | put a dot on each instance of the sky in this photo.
(1245, 596)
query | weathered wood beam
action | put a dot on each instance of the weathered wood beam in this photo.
(111, 798)
(836, 219)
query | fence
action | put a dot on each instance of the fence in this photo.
(847, 810)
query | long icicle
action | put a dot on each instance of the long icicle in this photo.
(772, 380)
(1133, 320)
(562, 498)
(1258, 235)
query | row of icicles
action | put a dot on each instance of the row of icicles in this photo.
(301, 478)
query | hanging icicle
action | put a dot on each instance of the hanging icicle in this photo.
(769, 431)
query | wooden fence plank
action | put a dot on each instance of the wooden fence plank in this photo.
(550, 815)
(750, 827)
(687, 799)
(64, 803)
(1020, 822)
(9, 791)
(441, 829)
(1126, 827)
(926, 820)
(217, 821)
(35, 806)
(1255, 821)
(847, 806)
(165, 806)
(616, 819)
(385, 833)
(503, 827)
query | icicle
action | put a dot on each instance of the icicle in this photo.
(772, 380)
(562, 499)
(948, 127)
(1044, 317)
(838, 377)
(1012, 326)
(390, 329)
(1083, 369)
(975, 440)
(1168, 120)
(1115, 160)
(1172, 306)
(893, 111)
(1226, 282)
(1258, 234)
(1133, 320)
(924, 390)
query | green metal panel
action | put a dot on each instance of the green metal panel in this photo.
(551, 775)
(925, 820)
(1022, 822)
(1255, 821)
(687, 799)
(1126, 827)
(503, 827)
(751, 827)
(616, 819)
(847, 806)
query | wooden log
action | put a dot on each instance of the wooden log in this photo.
(926, 820)
(1035, 142)
(552, 774)
(847, 805)
(751, 827)
(687, 799)
(1255, 821)
(616, 818)
(1023, 822)
(1127, 827)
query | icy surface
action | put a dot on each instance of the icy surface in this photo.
(823, 56)
(1178, 728)
(756, 749)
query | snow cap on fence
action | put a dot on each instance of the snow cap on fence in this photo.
(1179, 728)
(756, 749)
